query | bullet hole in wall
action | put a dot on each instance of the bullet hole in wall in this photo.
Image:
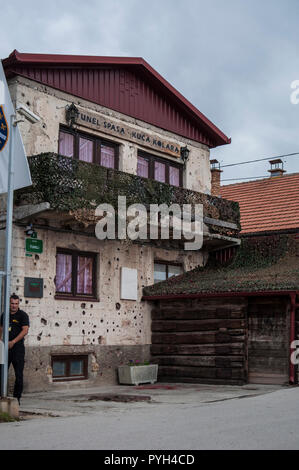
(83, 305)
(43, 321)
(83, 313)
(56, 324)
(70, 324)
(117, 306)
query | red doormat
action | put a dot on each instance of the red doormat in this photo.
(156, 387)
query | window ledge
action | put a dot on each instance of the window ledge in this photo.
(77, 297)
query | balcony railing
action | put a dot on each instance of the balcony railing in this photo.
(71, 185)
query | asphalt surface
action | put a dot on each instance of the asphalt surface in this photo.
(69, 401)
(160, 417)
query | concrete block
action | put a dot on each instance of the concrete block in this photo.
(10, 406)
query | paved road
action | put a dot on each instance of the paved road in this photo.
(267, 421)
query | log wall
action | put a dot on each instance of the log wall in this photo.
(200, 340)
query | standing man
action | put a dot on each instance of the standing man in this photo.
(18, 329)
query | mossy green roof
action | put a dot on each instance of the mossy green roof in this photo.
(260, 264)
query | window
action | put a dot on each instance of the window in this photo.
(87, 148)
(75, 274)
(163, 271)
(159, 169)
(69, 367)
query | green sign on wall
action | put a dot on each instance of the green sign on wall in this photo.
(33, 245)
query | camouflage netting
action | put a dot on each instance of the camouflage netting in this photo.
(78, 187)
(269, 263)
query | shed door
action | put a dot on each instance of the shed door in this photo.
(268, 341)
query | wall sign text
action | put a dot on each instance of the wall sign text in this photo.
(128, 133)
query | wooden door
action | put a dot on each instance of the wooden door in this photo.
(268, 340)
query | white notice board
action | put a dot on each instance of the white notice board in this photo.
(128, 284)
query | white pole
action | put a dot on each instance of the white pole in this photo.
(8, 245)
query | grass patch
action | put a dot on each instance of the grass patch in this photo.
(6, 418)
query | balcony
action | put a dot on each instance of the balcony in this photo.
(65, 193)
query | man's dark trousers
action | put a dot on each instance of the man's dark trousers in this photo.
(16, 357)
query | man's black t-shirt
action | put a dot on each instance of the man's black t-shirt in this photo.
(16, 322)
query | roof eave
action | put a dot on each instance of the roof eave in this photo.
(220, 294)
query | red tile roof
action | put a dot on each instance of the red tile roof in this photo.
(266, 205)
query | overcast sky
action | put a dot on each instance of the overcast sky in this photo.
(234, 60)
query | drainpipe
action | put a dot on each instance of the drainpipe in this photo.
(292, 334)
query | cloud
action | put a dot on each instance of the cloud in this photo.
(233, 60)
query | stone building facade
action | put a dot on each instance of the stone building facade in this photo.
(81, 336)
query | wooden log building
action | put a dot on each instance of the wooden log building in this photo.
(232, 321)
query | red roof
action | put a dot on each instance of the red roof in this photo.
(126, 84)
(266, 205)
